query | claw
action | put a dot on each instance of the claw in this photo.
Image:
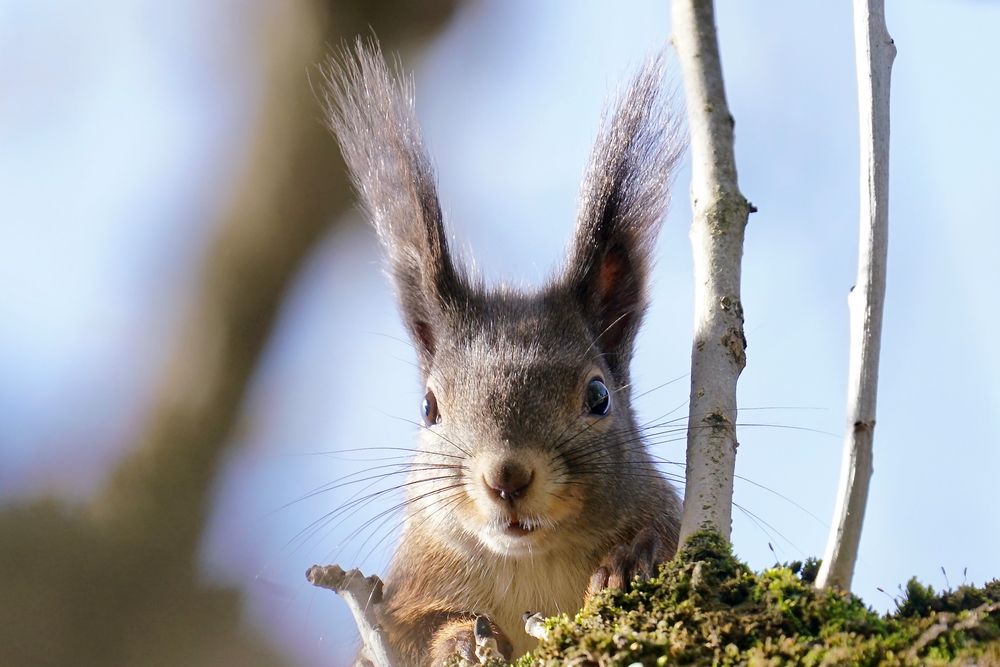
(486, 641)
(627, 561)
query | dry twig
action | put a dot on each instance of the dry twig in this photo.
(363, 596)
(944, 623)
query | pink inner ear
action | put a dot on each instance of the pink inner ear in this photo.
(609, 278)
(617, 294)
(425, 337)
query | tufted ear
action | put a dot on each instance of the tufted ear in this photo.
(623, 202)
(370, 110)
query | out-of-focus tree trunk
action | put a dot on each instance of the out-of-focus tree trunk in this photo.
(118, 584)
(283, 201)
(291, 189)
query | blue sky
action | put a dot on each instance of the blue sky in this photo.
(121, 125)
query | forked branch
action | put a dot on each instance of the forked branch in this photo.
(363, 596)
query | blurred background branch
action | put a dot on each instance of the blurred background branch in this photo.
(118, 582)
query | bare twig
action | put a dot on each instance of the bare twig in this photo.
(534, 625)
(944, 623)
(874, 52)
(363, 596)
(720, 216)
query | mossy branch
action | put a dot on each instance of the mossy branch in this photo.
(706, 607)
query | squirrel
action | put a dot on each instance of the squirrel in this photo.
(532, 488)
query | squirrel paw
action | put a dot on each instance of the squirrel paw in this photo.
(487, 646)
(638, 558)
(473, 641)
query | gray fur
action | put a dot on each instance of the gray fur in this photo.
(371, 113)
(509, 371)
(624, 199)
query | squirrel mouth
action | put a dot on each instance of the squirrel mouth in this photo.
(518, 529)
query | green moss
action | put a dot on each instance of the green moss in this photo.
(707, 608)
(458, 661)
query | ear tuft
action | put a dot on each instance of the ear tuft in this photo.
(371, 112)
(624, 199)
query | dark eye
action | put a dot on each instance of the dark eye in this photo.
(429, 409)
(598, 398)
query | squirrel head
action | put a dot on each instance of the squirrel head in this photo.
(528, 428)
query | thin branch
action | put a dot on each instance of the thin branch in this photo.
(363, 596)
(973, 619)
(720, 217)
(874, 52)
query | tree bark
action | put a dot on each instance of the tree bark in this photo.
(874, 52)
(720, 217)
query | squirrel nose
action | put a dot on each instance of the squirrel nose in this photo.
(509, 481)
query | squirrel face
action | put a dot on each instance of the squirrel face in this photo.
(523, 400)
(529, 436)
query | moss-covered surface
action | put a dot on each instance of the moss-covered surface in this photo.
(707, 608)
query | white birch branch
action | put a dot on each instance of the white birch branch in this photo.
(720, 216)
(363, 596)
(874, 52)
